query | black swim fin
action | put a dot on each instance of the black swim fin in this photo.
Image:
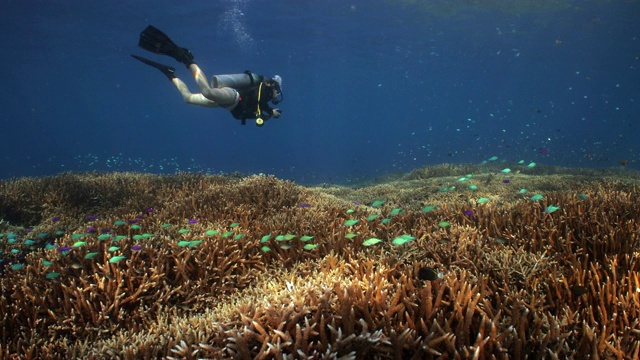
(168, 71)
(154, 40)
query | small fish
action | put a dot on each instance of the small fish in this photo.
(350, 235)
(306, 238)
(183, 231)
(395, 211)
(234, 225)
(372, 217)
(444, 224)
(265, 249)
(52, 275)
(429, 208)
(117, 259)
(532, 164)
(377, 203)
(90, 255)
(285, 246)
(371, 241)
(136, 247)
(265, 238)
(76, 266)
(501, 240)
(385, 221)
(429, 274)
(193, 221)
(536, 197)
(304, 205)
(351, 222)
(522, 191)
(212, 232)
(113, 248)
(63, 248)
(505, 170)
(469, 213)
(91, 229)
(483, 200)
(136, 227)
(16, 267)
(149, 210)
(551, 209)
(506, 181)
(56, 219)
(582, 196)
(310, 246)
(473, 187)
(402, 240)
(119, 223)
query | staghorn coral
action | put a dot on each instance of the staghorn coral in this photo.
(516, 280)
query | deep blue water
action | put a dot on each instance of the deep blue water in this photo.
(371, 87)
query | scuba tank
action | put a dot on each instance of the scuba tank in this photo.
(236, 81)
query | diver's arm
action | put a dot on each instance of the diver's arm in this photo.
(190, 98)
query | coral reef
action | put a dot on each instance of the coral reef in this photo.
(193, 266)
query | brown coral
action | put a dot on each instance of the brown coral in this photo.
(515, 280)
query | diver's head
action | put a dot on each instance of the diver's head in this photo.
(276, 85)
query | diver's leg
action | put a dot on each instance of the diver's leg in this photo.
(226, 97)
(189, 97)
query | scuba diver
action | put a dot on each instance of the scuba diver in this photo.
(246, 95)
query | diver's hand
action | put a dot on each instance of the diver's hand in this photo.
(276, 113)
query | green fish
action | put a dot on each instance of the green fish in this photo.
(372, 217)
(371, 241)
(377, 203)
(536, 197)
(310, 246)
(395, 211)
(551, 209)
(52, 275)
(117, 259)
(483, 200)
(351, 222)
(265, 238)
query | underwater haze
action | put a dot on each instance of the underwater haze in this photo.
(371, 88)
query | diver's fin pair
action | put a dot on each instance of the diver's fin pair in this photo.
(154, 40)
(167, 70)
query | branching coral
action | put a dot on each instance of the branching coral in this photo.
(175, 267)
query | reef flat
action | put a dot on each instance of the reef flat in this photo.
(452, 261)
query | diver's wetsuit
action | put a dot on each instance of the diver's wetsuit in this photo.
(243, 102)
(247, 105)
